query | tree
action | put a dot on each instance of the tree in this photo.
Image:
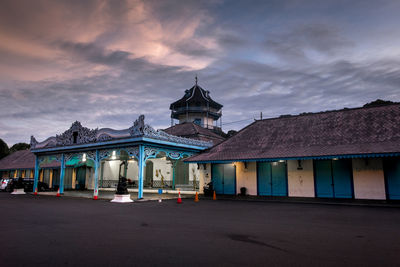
(19, 146)
(378, 103)
(4, 151)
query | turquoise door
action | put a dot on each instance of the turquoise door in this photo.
(342, 178)
(264, 179)
(229, 179)
(323, 178)
(271, 179)
(217, 175)
(279, 179)
(391, 168)
(224, 178)
(333, 178)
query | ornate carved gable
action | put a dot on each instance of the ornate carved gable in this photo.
(77, 134)
(34, 142)
(139, 128)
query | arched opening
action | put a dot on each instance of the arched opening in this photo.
(49, 174)
(79, 172)
(158, 172)
(109, 169)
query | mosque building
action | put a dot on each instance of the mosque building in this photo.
(348, 153)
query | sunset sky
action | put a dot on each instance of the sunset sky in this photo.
(105, 62)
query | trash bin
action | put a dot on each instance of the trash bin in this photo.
(243, 191)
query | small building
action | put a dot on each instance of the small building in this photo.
(349, 153)
(22, 164)
(18, 164)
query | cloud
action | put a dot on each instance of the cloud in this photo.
(106, 62)
(307, 42)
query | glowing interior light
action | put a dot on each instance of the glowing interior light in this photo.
(84, 157)
(281, 160)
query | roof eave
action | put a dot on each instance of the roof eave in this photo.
(365, 155)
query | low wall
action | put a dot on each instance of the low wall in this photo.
(368, 178)
(246, 177)
(300, 181)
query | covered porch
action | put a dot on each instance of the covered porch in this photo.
(96, 159)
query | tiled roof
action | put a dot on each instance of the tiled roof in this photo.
(196, 94)
(23, 159)
(192, 130)
(342, 132)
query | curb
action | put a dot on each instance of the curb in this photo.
(294, 201)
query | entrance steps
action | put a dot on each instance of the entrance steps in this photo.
(155, 191)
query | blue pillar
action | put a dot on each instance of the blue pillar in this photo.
(96, 174)
(62, 173)
(174, 162)
(141, 169)
(36, 178)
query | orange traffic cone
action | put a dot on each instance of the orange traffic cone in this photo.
(214, 196)
(58, 192)
(35, 192)
(179, 201)
(95, 197)
(196, 198)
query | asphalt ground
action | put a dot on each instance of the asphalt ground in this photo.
(67, 231)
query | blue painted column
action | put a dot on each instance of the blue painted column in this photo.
(36, 177)
(174, 162)
(96, 174)
(62, 173)
(141, 170)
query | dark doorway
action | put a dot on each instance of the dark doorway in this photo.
(181, 173)
(80, 178)
(149, 174)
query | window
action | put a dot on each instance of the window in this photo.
(75, 136)
(197, 121)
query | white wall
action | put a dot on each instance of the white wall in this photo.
(301, 182)
(368, 177)
(194, 173)
(133, 170)
(246, 177)
(204, 175)
(161, 166)
(111, 170)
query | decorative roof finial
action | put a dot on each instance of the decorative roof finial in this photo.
(196, 79)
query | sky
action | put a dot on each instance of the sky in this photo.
(104, 63)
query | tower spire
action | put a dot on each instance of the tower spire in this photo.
(195, 78)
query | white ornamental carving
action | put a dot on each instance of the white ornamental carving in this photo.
(77, 135)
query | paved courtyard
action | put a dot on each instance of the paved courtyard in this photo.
(66, 231)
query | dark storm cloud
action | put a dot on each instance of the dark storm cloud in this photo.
(231, 40)
(302, 40)
(94, 53)
(276, 91)
(193, 48)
